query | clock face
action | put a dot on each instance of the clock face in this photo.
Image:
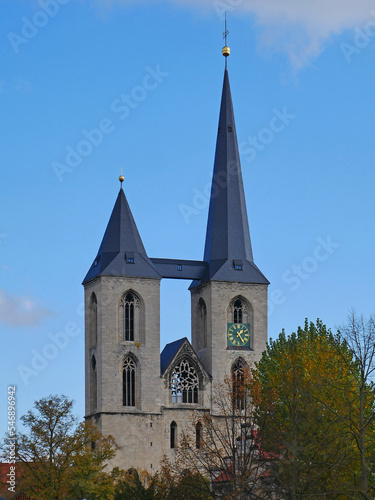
(238, 335)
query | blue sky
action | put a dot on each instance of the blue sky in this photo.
(302, 79)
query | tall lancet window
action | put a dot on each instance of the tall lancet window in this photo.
(93, 385)
(94, 320)
(184, 383)
(130, 317)
(203, 321)
(128, 381)
(238, 381)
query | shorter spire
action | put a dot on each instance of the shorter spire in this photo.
(121, 252)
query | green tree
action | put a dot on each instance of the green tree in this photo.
(173, 484)
(61, 458)
(299, 387)
(139, 485)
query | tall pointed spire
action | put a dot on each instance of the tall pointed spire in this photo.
(228, 246)
(121, 252)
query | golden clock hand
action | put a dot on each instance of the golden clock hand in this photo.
(239, 335)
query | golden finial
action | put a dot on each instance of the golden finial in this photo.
(121, 178)
(226, 49)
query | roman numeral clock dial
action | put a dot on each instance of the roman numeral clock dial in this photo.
(238, 335)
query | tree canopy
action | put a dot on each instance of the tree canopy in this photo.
(62, 459)
(300, 388)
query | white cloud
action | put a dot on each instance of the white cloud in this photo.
(300, 28)
(21, 311)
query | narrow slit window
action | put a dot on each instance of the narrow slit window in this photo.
(94, 384)
(94, 320)
(173, 434)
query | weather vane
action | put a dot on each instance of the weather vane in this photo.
(226, 49)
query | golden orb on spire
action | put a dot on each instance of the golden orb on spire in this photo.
(226, 51)
(121, 178)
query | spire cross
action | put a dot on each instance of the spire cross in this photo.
(226, 32)
(226, 49)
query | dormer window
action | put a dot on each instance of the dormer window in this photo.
(179, 267)
(237, 264)
(96, 261)
(129, 257)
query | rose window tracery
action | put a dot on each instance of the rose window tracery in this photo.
(184, 383)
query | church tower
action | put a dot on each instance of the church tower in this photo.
(122, 326)
(145, 398)
(229, 303)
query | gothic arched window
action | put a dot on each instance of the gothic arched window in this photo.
(128, 381)
(130, 320)
(203, 321)
(240, 311)
(184, 383)
(94, 320)
(93, 385)
(198, 435)
(173, 434)
(238, 381)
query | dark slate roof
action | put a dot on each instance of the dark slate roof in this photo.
(180, 269)
(228, 236)
(120, 241)
(169, 352)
